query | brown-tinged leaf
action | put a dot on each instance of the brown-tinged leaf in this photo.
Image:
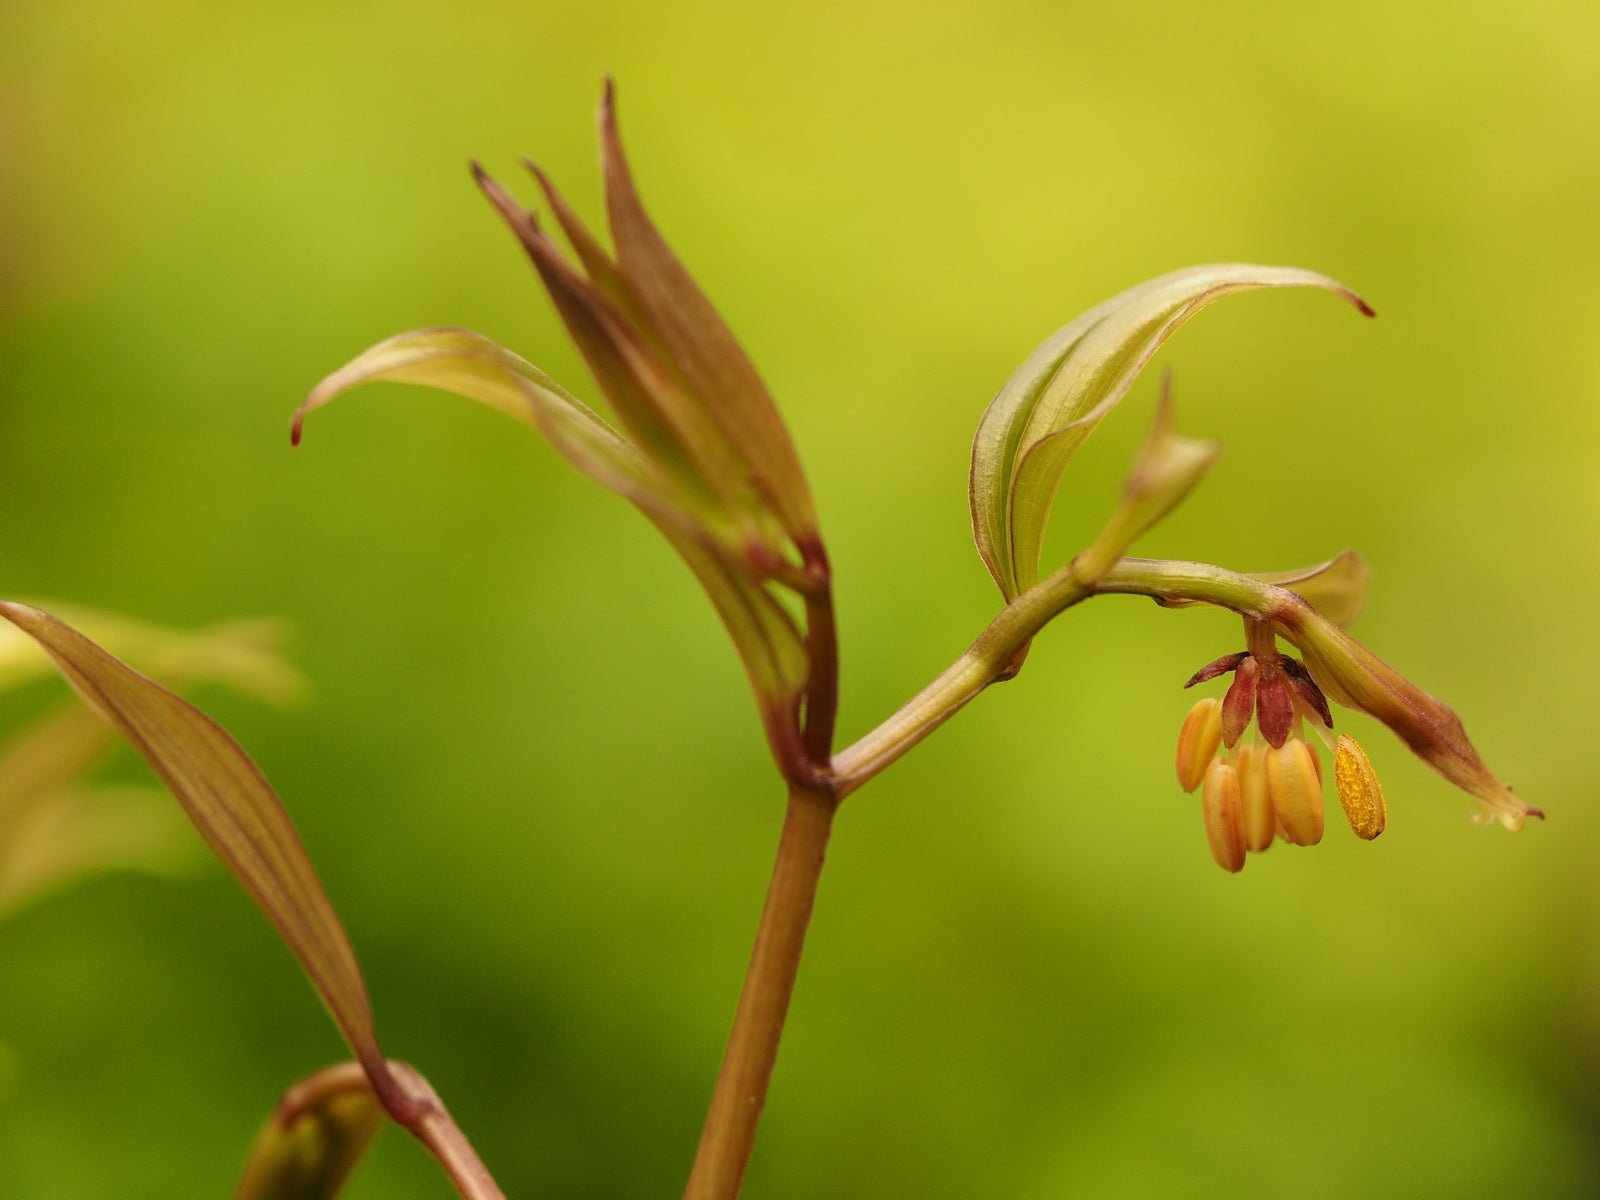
(647, 395)
(310, 1144)
(229, 802)
(1055, 400)
(701, 344)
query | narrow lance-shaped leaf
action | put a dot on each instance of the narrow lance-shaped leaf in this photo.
(646, 395)
(701, 343)
(231, 804)
(1054, 401)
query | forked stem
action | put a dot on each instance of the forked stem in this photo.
(741, 1088)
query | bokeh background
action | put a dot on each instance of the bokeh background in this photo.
(530, 772)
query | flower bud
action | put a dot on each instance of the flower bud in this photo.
(1274, 704)
(1239, 703)
(1224, 819)
(1296, 791)
(1260, 822)
(1197, 742)
(1359, 790)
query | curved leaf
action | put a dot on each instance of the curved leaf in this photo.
(1054, 401)
(702, 345)
(230, 803)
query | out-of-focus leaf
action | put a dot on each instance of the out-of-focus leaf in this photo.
(1336, 588)
(246, 655)
(471, 365)
(700, 342)
(1055, 400)
(230, 803)
(309, 1146)
(65, 836)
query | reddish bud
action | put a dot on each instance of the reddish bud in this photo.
(1274, 705)
(1239, 702)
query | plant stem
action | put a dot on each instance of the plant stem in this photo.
(431, 1124)
(741, 1088)
(985, 661)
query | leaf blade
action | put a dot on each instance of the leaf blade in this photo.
(1055, 400)
(231, 804)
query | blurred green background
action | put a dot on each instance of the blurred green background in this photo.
(530, 772)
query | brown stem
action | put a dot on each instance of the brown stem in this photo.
(741, 1088)
(430, 1123)
(822, 689)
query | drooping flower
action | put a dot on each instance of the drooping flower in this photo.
(1255, 794)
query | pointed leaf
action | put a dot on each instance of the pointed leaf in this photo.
(309, 1146)
(229, 802)
(471, 365)
(701, 344)
(1055, 400)
(647, 396)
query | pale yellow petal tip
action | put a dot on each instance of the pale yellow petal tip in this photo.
(1360, 793)
(1508, 810)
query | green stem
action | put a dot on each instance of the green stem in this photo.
(987, 659)
(741, 1088)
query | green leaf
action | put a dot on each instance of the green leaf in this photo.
(1055, 400)
(309, 1146)
(471, 365)
(230, 803)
